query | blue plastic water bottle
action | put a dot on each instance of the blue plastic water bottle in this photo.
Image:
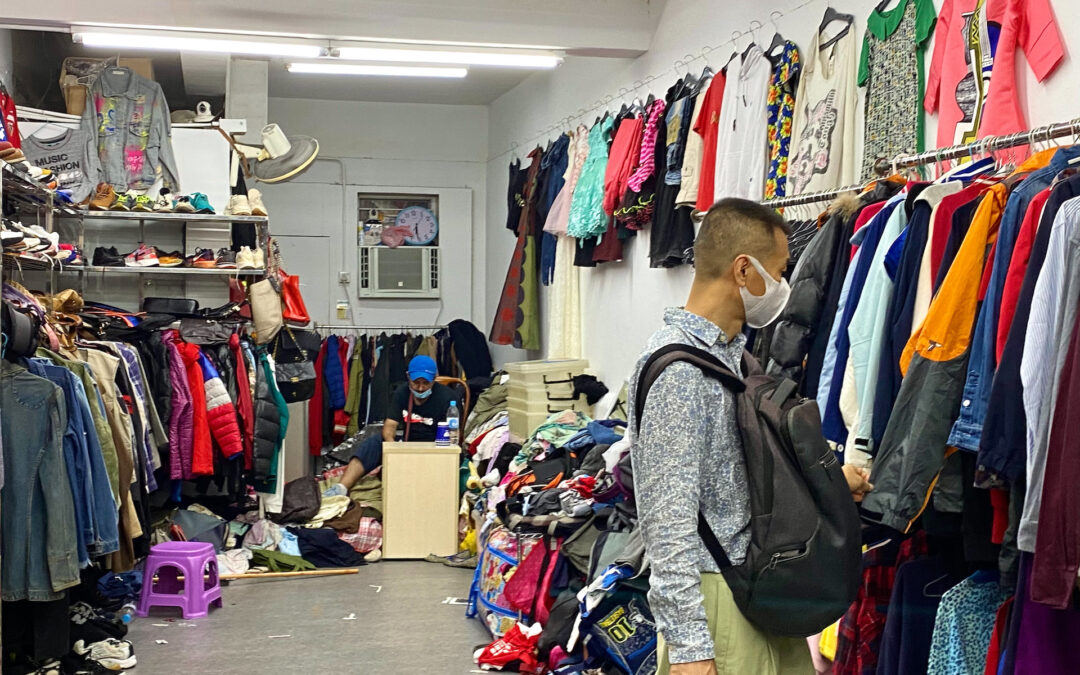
(453, 422)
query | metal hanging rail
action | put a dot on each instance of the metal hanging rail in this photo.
(318, 326)
(983, 146)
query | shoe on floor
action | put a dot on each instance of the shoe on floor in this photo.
(256, 201)
(467, 563)
(183, 205)
(203, 259)
(103, 198)
(335, 490)
(201, 203)
(76, 664)
(144, 256)
(226, 259)
(112, 654)
(169, 259)
(238, 206)
(374, 557)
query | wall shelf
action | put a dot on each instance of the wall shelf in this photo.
(172, 217)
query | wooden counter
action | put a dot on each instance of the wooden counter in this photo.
(420, 500)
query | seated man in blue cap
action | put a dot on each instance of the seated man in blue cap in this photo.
(415, 409)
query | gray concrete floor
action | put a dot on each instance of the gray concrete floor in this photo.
(402, 629)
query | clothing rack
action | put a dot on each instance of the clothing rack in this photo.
(983, 146)
(332, 327)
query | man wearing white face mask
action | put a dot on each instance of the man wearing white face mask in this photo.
(416, 410)
(688, 457)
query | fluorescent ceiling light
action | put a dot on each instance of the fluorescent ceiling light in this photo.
(504, 59)
(329, 68)
(162, 40)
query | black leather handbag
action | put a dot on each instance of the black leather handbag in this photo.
(178, 307)
(294, 354)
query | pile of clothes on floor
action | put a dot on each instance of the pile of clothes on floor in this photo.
(561, 580)
(310, 531)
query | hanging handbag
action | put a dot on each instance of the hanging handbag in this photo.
(294, 311)
(265, 310)
(238, 295)
(294, 358)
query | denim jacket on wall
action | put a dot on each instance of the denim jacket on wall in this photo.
(38, 514)
(127, 118)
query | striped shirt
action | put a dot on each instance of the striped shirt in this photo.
(1053, 309)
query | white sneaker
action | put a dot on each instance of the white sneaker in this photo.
(245, 259)
(260, 259)
(112, 654)
(374, 557)
(238, 206)
(164, 202)
(256, 201)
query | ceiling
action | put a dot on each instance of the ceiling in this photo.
(600, 29)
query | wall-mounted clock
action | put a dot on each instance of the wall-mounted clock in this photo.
(422, 224)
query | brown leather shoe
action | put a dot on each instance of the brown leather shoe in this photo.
(103, 199)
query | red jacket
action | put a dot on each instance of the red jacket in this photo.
(202, 454)
(220, 412)
(244, 406)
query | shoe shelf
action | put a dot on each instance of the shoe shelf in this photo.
(18, 188)
(172, 217)
(187, 271)
(17, 263)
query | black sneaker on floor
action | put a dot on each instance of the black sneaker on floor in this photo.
(108, 257)
(74, 664)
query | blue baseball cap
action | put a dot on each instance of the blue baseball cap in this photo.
(423, 367)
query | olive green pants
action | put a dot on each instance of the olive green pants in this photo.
(741, 648)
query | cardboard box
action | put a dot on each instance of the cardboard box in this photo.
(142, 67)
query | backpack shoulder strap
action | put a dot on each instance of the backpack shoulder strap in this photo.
(659, 360)
(712, 367)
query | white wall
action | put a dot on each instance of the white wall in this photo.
(387, 147)
(623, 302)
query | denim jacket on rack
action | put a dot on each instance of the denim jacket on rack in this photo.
(38, 515)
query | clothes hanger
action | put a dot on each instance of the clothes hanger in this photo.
(943, 577)
(832, 15)
(778, 40)
(882, 5)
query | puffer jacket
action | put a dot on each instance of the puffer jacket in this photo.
(220, 412)
(202, 450)
(181, 422)
(244, 406)
(271, 420)
(802, 331)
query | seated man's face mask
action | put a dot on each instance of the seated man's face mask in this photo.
(421, 393)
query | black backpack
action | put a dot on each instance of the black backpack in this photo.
(803, 564)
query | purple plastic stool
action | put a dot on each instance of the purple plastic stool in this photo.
(194, 594)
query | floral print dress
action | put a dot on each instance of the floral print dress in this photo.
(782, 86)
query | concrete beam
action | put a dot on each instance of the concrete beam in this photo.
(247, 96)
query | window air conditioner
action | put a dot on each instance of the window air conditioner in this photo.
(403, 272)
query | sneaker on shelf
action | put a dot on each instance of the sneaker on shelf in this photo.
(164, 201)
(260, 259)
(238, 206)
(201, 203)
(203, 259)
(123, 202)
(12, 155)
(245, 259)
(71, 255)
(226, 259)
(103, 198)
(143, 203)
(184, 205)
(143, 256)
(256, 201)
(169, 259)
(112, 654)
(107, 257)
(11, 239)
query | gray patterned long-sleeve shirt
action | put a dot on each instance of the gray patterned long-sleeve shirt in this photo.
(687, 456)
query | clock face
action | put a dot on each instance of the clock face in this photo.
(422, 224)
